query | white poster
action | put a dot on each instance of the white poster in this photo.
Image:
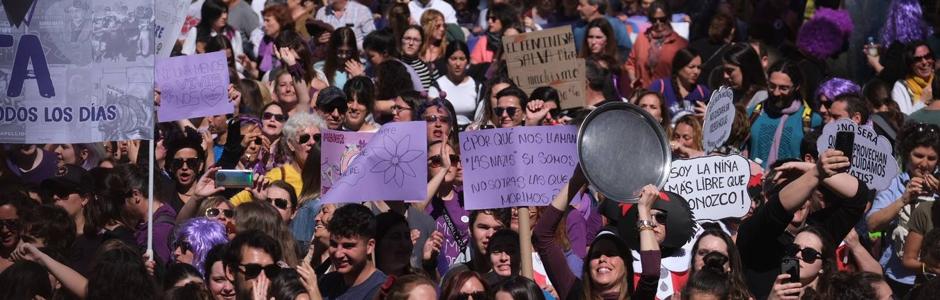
(872, 156)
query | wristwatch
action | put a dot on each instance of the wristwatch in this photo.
(645, 225)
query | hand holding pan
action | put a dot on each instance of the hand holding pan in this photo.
(623, 148)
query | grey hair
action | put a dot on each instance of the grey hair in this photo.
(300, 121)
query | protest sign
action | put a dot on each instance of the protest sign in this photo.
(75, 71)
(521, 166)
(714, 186)
(547, 58)
(337, 151)
(719, 115)
(872, 156)
(168, 20)
(391, 166)
(193, 86)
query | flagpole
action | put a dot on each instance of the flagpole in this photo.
(150, 151)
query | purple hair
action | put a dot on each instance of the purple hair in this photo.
(202, 234)
(840, 17)
(905, 23)
(820, 38)
(836, 87)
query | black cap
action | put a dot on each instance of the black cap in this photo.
(69, 178)
(331, 96)
(680, 222)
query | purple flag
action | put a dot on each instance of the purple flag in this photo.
(391, 166)
(193, 86)
(521, 166)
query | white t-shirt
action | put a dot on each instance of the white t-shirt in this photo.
(416, 9)
(463, 96)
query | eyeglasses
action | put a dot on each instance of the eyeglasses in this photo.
(926, 128)
(183, 245)
(279, 203)
(808, 255)
(783, 88)
(398, 108)
(925, 57)
(436, 161)
(341, 107)
(659, 20)
(660, 217)
(10, 224)
(192, 163)
(277, 117)
(511, 110)
(253, 270)
(472, 296)
(436, 118)
(213, 213)
(304, 138)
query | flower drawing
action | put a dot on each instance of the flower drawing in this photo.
(395, 161)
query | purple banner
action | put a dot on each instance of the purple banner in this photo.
(392, 165)
(522, 166)
(193, 86)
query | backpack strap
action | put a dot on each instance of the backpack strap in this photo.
(807, 118)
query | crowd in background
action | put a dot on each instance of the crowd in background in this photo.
(73, 217)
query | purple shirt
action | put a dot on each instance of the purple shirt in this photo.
(46, 169)
(163, 223)
(450, 250)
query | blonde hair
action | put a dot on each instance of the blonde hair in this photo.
(427, 23)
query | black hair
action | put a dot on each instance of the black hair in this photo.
(25, 280)
(487, 93)
(381, 41)
(177, 272)
(293, 40)
(658, 5)
(249, 238)
(120, 273)
(211, 11)
(353, 220)
(914, 135)
(53, 225)
(120, 184)
(506, 240)
(190, 291)
(392, 79)
(506, 14)
(547, 94)
(502, 215)
(216, 254)
(599, 79)
(361, 89)
(710, 281)
(792, 70)
(454, 46)
(601, 5)
(849, 286)
(286, 285)
(521, 288)
(855, 104)
(343, 36)
(752, 73)
(514, 92)
(414, 101)
(683, 57)
(909, 53)
(808, 144)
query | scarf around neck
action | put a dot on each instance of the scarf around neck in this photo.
(786, 112)
(917, 85)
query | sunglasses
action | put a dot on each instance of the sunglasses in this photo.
(437, 162)
(253, 270)
(555, 112)
(192, 163)
(925, 57)
(660, 217)
(509, 110)
(436, 118)
(63, 193)
(279, 203)
(213, 213)
(329, 108)
(659, 20)
(10, 224)
(472, 296)
(277, 117)
(304, 138)
(808, 255)
(184, 246)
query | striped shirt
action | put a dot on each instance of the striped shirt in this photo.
(427, 73)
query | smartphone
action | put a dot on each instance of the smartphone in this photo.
(791, 265)
(234, 178)
(845, 141)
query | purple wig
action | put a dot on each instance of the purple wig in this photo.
(905, 23)
(840, 17)
(836, 87)
(820, 38)
(202, 234)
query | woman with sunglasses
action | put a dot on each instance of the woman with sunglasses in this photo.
(440, 120)
(654, 50)
(218, 209)
(919, 150)
(467, 285)
(186, 163)
(816, 255)
(908, 92)
(499, 17)
(508, 108)
(445, 204)
(273, 118)
(545, 100)
(195, 238)
(280, 194)
(484, 117)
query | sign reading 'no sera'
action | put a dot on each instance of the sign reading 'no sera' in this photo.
(872, 160)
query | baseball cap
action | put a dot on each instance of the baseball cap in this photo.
(69, 179)
(330, 98)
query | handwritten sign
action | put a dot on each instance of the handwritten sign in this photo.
(337, 151)
(521, 166)
(719, 115)
(872, 158)
(714, 186)
(547, 58)
(391, 166)
(193, 86)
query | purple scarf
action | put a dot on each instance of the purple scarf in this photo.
(794, 106)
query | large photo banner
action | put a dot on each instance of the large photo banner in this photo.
(521, 166)
(76, 71)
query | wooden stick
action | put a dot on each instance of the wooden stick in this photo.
(525, 241)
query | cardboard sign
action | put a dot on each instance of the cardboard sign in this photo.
(337, 151)
(714, 186)
(547, 58)
(719, 115)
(872, 159)
(76, 71)
(193, 86)
(521, 166)
(391, 166)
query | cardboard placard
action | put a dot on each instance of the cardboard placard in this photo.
(715, 186)
(719, 115)
(872, 160)
(547, 58)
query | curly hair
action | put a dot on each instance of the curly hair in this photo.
(353, 220)
(904, 23)
(914, 135)
(201, 234)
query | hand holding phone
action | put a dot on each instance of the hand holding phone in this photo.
(234, 178)
(845, 142)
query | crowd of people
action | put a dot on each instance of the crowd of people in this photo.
(74, 217)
